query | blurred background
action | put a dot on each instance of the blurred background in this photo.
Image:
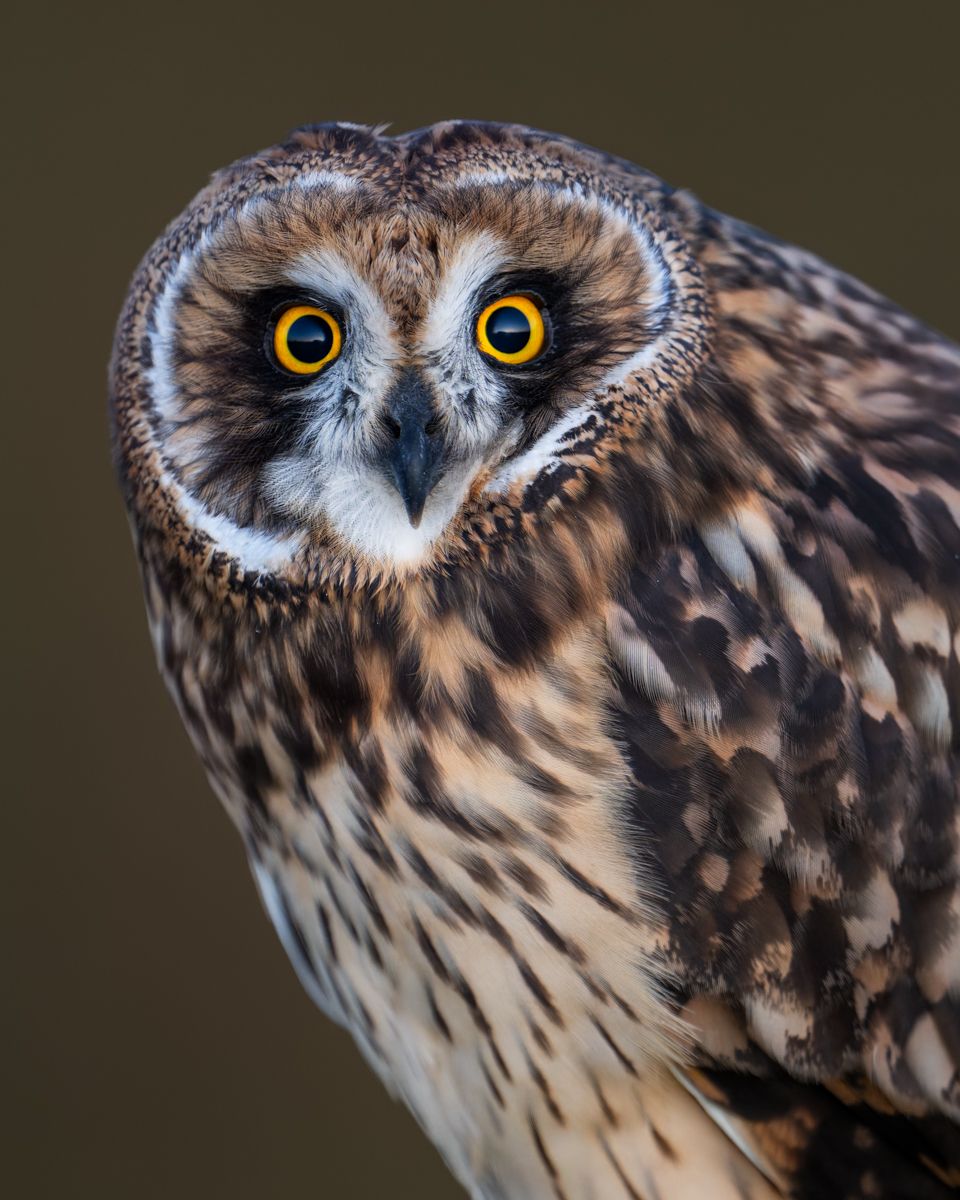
(158, 1044)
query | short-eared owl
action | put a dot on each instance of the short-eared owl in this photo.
(560, 582)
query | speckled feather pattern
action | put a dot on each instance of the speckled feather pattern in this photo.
(623, 831)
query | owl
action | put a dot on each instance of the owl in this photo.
(560, 583)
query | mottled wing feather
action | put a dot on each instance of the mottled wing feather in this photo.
(810, 1143)
(788, 679)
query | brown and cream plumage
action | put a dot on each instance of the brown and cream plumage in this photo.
(591, 721)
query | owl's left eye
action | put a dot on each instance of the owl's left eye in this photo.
(512, 329)
(306, 339)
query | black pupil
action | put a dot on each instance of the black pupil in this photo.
(309, 338)
(508, 329)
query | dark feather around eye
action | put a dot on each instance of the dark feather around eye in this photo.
(242, 346)
(251, 412)
(578, 336)
(260, 311)
(545, 287)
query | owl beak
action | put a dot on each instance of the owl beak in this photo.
(414, 454)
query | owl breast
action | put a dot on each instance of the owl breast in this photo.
(453, 889)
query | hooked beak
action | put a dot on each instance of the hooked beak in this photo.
(414, 456)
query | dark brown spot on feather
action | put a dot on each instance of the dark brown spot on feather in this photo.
(662, 1144)
(593, 890)
(550, 934)
(544, 1088)
(545, 1157)
(489, 1080)
(621, 1174)
(437, 1016)
(624, 1061)
(429, 950)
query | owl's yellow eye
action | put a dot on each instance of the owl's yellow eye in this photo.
(511, 329)
(305, 339)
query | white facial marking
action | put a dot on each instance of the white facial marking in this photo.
(367, 364)
(364, 507)
(477, 260)
(544, 454)
(163, 389)
(334, 475)
(472, 394)
(255, 551)
(327, 273)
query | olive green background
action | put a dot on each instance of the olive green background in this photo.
(159, 1044)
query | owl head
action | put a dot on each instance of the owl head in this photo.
(357, 356)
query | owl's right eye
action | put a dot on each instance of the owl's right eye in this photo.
(306, 339)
